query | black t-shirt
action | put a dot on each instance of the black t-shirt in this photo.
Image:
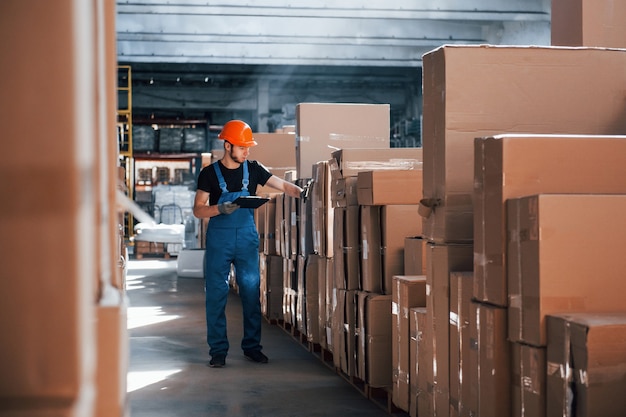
(207, 180)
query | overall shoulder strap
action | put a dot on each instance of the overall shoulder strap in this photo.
(246, 176)
(220, 177)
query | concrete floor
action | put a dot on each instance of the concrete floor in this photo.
(168, 372)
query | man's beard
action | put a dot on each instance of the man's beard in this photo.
(238, 160)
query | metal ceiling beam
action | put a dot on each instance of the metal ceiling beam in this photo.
(348, 32)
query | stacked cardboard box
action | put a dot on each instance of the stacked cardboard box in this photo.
(409, 291)
(464, 195)
(589, 23)
(321, 127)
(586, 372)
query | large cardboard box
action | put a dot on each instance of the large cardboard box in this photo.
(289, 290)
(460, 301)
(279, 225)
(374, 336)
(559, 367)
(276, 151)
(347, 248)
(301, 306)
(494, 361)
(269, 228)
(414, 335)
(589, 23)
(112, 361)
(389, 187)
(393, 233)
(343, 192)
(512, 90)
(415, 255)
(371, 249)
(382, 243)
(425, 378)
(570, 259)
(528, 394)
(407, 292)
(597, 348)
(345, 163)
(509, 166)
(321, 127)
(313, 266)
(304, 229)
(322, 210)
(345, 325)
(329, 305)
(271, 271)
(442, 260)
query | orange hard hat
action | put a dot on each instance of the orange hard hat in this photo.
(238, 133)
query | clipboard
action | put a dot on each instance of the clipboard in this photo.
(252, 201)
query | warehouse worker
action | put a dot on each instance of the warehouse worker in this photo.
(232, 238)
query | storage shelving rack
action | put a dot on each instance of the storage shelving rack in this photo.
(125, 137)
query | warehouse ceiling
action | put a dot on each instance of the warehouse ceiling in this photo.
(214, 60)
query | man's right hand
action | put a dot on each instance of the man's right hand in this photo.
(227, 207)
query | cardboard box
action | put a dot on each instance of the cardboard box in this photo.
(322, 210)
(304, 229)
(442, 260)
(271, 271)
(289, 290)
(301, 307)
(558, 85)
(276, 151)
(425, 378)
(417, 323)
(312, 293)
(393, 233)
(291, 223)
(269, 220)
(528, 396)
(344, 192)
(321, 127)
(494, 361)
(563, 240)
(374, 336)
(407, 292)
(559, 367)
(588, 23)
(415, 255)
(279, 224)
(339, 269)
(382, 243)
(345, 163)
(112, 361)
(509, 166)
(597, 345)
(329, 305)
(347, 248)
(460, 301)
(336, 324)
(371, 249)
(345, 325)
(470, 385)
(389, 187)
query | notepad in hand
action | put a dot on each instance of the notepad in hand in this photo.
(252, 201)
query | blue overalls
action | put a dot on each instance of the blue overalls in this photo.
(232, 238)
